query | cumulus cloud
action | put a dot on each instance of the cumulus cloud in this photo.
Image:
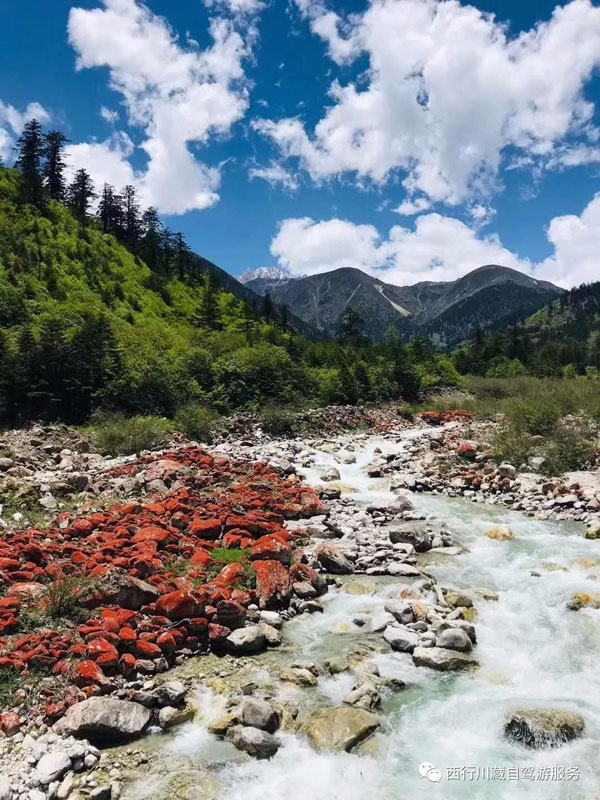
(109, 115)
(410, 208)
(449, 93)
(576, 243)
(438, 248)
(236, 7)
(107, 162)
(305, 247)
(179, 96)
(11, 125)
(276, 175)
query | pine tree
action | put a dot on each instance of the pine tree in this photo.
(152, 230)
(131, 216)
(182, 256)
(167, 248)
(209, 313)
(29, 158)
(284, 318)
(267, 307)
(350, 329)
(109, 210)
(80, 195)
(53, 172)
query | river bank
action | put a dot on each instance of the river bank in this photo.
(424, 570)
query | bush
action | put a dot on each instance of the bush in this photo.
(196, 422)
(511, 443)
(119, 435)
(63, 599)
(570, 447)
(537, 415)
(277, 421)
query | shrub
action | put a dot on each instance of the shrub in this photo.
(64, 599)
(570, 447)
(195, 421)
(119, 435)
(512, 443)
(537, 415)
(277, 421)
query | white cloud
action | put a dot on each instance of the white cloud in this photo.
(305, 247)
(179, 95)
(107, 162)
(450, 93)
(275, 174)
(439, 248)
(109, 115)
(409, 208)
(236, 7)
(11, 125)
(576, 242)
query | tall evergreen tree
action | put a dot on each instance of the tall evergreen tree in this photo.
(182, 256)
(109, 209)
(350, 329)
(53, 171)
(131, 216)
(267, 307)
(151, 241)
(30, 147)
(80, 195)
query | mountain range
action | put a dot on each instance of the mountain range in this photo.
(487, 297)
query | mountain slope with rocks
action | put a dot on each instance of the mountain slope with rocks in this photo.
(486, 297)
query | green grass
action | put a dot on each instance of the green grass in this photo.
(10, 683)
(116, 434)
(64, 599)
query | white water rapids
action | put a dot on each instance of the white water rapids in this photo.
(532, 651)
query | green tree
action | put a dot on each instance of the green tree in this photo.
(53, 172)
(350, 329)
(30, 148)
(80, 195)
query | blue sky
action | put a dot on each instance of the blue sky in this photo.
(484, 128)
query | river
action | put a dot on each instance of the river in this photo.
(532, 651)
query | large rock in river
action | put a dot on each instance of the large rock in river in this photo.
(340, 728)
(543, 727)
(410, 533)
(442, 659)
(104, 719)
(333, 560)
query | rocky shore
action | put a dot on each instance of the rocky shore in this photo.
(207, 552)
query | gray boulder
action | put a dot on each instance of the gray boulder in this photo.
(441, 659)
(246, 640)
(454, 639)
(333, 560)
(104, 719)
(401, 610)
(52, 767)
(401, 639)
(410, 533)
(543, 727)
(253, 741)
(257, 713)
(330, 474)
(340, 728)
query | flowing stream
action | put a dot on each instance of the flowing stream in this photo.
(532, 652)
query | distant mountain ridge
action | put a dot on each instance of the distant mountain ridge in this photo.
(451, 310)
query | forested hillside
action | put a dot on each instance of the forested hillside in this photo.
(111, 310)
(561, 338)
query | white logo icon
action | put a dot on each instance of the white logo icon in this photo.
(427, 770)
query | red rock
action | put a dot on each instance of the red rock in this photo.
(83, 526)
(231, 574)
(10, 723)
(201, 557)
(147, 649)
(127, 635)
(271, 548)
(87, 673)
(217, 634)
(273, 587)
(178, 605)
(167, 642)
(206, 528)
(467, 450)
(151, 534)
(127, 664)
(53, 712)
(103, 653)
(9, 604)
